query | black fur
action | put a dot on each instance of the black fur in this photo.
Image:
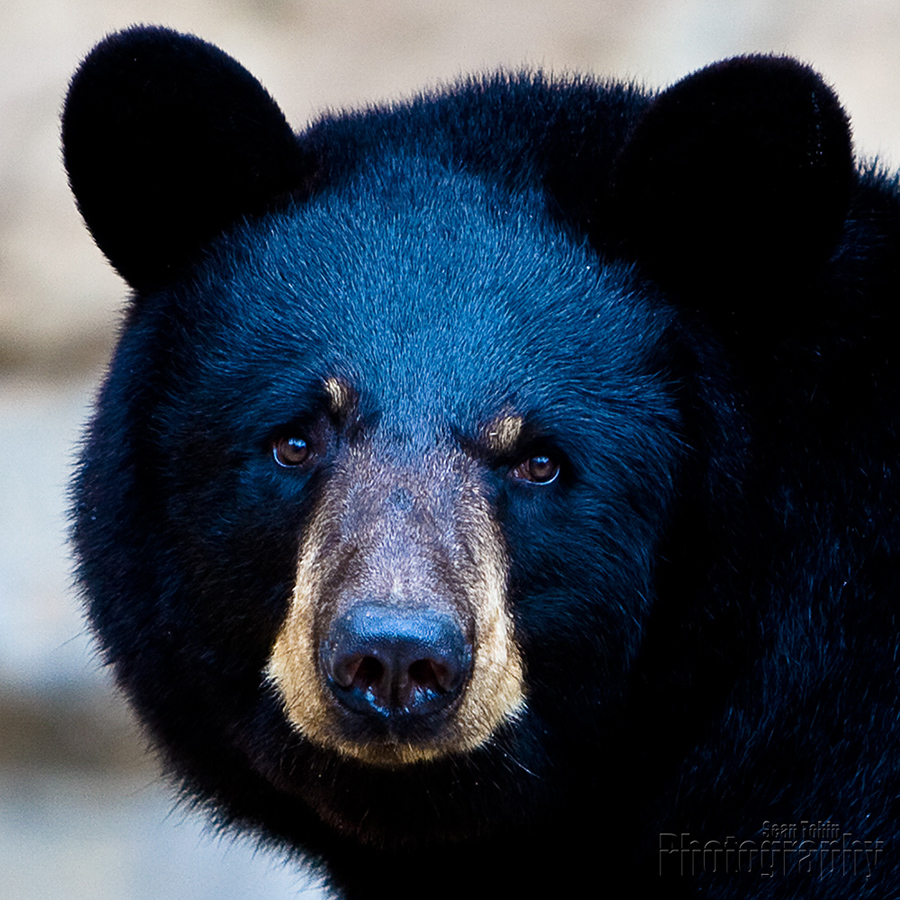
(690, 298)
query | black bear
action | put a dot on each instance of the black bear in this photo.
(496, 494)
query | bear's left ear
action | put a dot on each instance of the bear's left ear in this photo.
(735, 184)
(168, 141)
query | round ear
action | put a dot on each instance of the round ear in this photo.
(735, 184)
(168, 141)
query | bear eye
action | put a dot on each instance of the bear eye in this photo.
(538, 469)
(290, 451)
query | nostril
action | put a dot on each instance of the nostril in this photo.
(358, 671)
(370, 672)
(430, 675)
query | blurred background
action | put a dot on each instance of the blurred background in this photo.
(84, 812)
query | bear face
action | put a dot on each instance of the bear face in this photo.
(468, 467)
(384, 462)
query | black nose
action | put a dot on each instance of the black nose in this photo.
(383, 660)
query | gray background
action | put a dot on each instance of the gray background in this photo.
(84, 812)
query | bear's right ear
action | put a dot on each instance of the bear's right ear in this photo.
(168, 141)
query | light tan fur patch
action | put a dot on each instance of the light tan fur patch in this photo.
(340, 396)
(503, 434)
(494, 694)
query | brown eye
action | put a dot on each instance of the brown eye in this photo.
(539, 469)
(290, 451)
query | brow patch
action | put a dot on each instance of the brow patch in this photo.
(503, 434)
(340, 396)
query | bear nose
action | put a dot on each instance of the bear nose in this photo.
(382, 659)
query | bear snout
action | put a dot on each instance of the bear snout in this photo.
(398, 645)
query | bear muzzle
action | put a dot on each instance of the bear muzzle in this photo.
(399, 645)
